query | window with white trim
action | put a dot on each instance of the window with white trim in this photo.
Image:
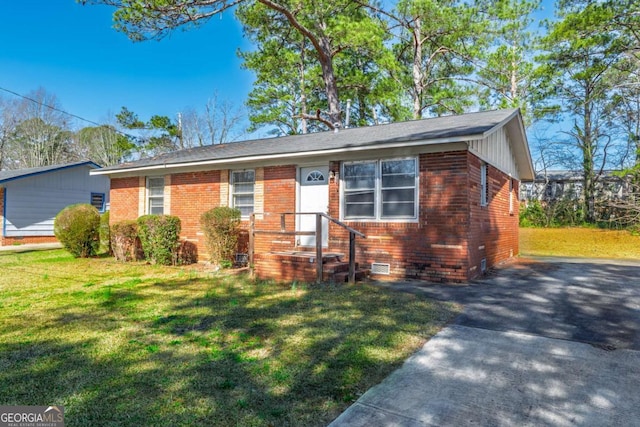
(380, 189)
(97, 201)
(155, 195)
(315, 177)
(242, 191)
(484, 199)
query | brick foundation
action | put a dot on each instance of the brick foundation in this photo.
(25, 240)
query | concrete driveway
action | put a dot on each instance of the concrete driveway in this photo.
(540, 342)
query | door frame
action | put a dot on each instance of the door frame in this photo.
(299, 167)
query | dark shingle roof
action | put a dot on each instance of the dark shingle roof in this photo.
(453, 127)
(11, 175)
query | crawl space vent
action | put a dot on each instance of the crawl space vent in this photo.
(242, 259)
(380, 268)
(483, 265)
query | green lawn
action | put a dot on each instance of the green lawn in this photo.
(140, 345)
(579, 242)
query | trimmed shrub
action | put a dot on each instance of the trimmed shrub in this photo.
(77, 228)
(160, 238)
(105, 233)
(125, 243)
(221, 227)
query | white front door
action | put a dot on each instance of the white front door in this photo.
(314, 197)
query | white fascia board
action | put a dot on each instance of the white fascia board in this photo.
(246, 159)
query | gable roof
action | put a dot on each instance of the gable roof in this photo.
(437, 130)
(12, 175)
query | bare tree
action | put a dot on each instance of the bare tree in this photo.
(38, 133)
(218, 123)
(7, 128)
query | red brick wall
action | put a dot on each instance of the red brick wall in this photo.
(433, 248)
(192, 194)
(24, 240)
(494, 230)
(279, 196)
(454, 232)
(123, 199)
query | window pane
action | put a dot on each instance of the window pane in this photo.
(243, 200)
(243, 188)
(398, 210)
(394, 181)
(315, 176)
(245, 210)
(359, 197)
(399, 167)
(398, 173)
(359, 210)
(156, 206)
(155, 191)
(156, 182)
(243, 177)
(404, 195)
(360, 176)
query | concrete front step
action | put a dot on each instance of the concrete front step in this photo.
(338, 272)
(343, 276)
(300, 266)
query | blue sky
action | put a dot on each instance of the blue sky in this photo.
(72, 51)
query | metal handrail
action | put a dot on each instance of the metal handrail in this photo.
(318, 233)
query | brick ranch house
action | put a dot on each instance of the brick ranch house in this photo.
(436, 198)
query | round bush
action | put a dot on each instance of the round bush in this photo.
(77, 228)
(160, 238)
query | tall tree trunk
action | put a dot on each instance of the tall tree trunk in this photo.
(588, 162)
(418, 75)
(322, 46)
(514, 74)
(303, 91)
(330, 84)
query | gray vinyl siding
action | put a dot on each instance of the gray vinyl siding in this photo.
(32, 203)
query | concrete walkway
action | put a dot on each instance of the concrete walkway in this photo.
(544, 342)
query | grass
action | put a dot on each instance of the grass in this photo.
(141, 345)
(579, 242)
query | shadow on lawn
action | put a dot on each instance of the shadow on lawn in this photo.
(49, 372)
(216, 353)
(221, 351)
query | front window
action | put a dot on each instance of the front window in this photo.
(380, 189)
(242, 191)
(155, 195)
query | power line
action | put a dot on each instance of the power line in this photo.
(66, 112)
(50, 107)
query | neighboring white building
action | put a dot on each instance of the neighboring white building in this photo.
(31, 198)
(567, 185)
